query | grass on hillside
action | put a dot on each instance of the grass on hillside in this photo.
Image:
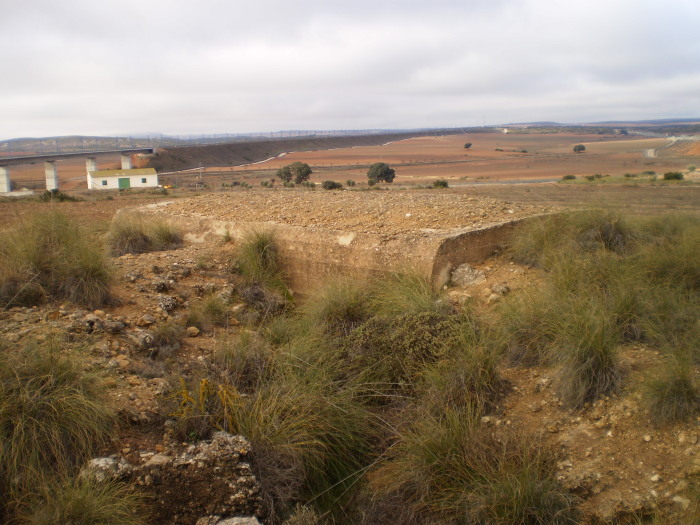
(49, 257)
(85, 500)
(364, 402)
(138, 233)
(52, 417)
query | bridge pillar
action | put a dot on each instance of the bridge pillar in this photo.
(51, 175)
(5, 184)
(91, 164)
(126, 161)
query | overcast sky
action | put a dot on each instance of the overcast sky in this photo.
(103, 67)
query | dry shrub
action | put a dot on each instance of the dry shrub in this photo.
(138, 233)
(673, 396)
(448, 468)
(86, 500)
(52, 416)
(49, 257)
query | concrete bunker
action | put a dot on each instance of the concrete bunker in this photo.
(322, 246)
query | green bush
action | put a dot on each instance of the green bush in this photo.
(49, 257)
(56, 195)
(468, 376)
(673, 175)
(440, 183)
(138, 233)
(53, 416)
(258, 259)
(331, 185)
(379, 171)
(350, 183)
(568, 177)
(391, 353)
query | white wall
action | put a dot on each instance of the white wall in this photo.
(95, 183)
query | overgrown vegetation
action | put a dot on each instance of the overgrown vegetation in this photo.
(609, 282)
(49, 257)
(53, 416)
(366, 403)
(139, 233)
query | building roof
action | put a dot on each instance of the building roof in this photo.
(123, 173)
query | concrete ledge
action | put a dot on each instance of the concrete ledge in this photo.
(310, 256)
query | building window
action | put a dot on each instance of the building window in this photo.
(143, 180)
(104, 183)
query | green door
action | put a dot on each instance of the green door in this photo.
(124, 183)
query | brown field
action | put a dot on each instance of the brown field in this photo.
(492, 157)
(546, 157)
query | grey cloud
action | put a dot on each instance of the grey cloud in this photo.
(80, 66)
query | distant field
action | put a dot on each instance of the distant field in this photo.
(493, 157)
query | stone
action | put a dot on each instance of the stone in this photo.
(210, 478)
(655, 478)
(158, 460)
(192, 331)
(647, 438)
(167, 303)
(464, 275)
(683, 502)
(500, 289)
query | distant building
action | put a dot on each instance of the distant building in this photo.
(122, 179)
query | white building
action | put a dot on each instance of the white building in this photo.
(122, 179)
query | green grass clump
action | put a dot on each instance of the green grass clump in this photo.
(673, 396)
(87, 501)
(339, 307)
(52, 416)
(535, 241)
(309, 438)
(449, 469)
(138, 233)
(405, 293)
(210, 311)
(261, 281)
(167, 338)
(247, 361)
(49, 257)
(258, 259)
(467, 377)
(389, 354)
(587, 347)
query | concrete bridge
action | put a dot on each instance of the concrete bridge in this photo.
(51, 170)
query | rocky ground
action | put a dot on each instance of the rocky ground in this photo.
(374, 211)
(615, 460)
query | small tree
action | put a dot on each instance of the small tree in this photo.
(467, 145)
(299, 171)
(285, 173)
(380, 171)
(579, 148)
